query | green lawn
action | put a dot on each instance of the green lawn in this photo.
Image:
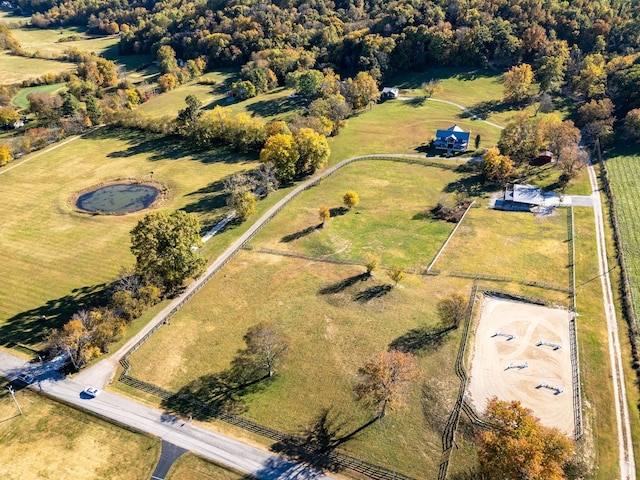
(56, 259)
(20, 100)
(479, 90)
(270, 105)
(391, 219)
(520, 246)
(16, 69)
(403, 127)
(168, 103)
(52, 440)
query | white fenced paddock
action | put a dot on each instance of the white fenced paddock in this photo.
(527, 324)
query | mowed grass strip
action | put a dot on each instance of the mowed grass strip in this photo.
(20, 100)
(600, 444)
(190, 467)
(54, 256)
(391, 221)
(52, 440)
(332, 334)
(397, 126)
(517, 245)
(16, 69)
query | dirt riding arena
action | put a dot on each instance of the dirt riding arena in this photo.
(521, 351)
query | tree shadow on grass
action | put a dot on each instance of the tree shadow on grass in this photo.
(419, 339)
(472, 185)
(372, 293)
(482, 110)
(205, 397)
(300, 234)
(164, 147)
(343, 284)
(32, 326)
(317, 441)
(275, 106)
(338, 211)
(213, 198)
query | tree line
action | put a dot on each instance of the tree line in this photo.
(272, 40)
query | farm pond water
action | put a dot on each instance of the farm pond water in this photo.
(118, 198)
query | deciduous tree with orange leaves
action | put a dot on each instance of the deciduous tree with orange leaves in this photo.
(520, 446)
(383, 380)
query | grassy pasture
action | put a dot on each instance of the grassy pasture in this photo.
(56, 259)
(190, 466)
(16, 69)
(519, 246)
(52, 440)
(270, 105)
(391, 219)
(168, 103)
(336, 319)
(331, 335)
(20, 100)
(479, 90)
(402, 127)
(46, 41)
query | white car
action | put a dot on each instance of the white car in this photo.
(91, 392)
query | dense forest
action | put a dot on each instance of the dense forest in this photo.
(588, 43)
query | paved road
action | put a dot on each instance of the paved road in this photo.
(211, 445)
(625, 443)
(170, 453)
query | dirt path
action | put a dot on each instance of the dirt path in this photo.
(626, 459)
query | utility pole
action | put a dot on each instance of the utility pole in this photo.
(13, 395)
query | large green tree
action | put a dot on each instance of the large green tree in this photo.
(162, 243)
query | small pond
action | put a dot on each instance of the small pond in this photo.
(118, 198)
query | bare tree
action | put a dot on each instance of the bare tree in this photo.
(266, 346)
(383, 380)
